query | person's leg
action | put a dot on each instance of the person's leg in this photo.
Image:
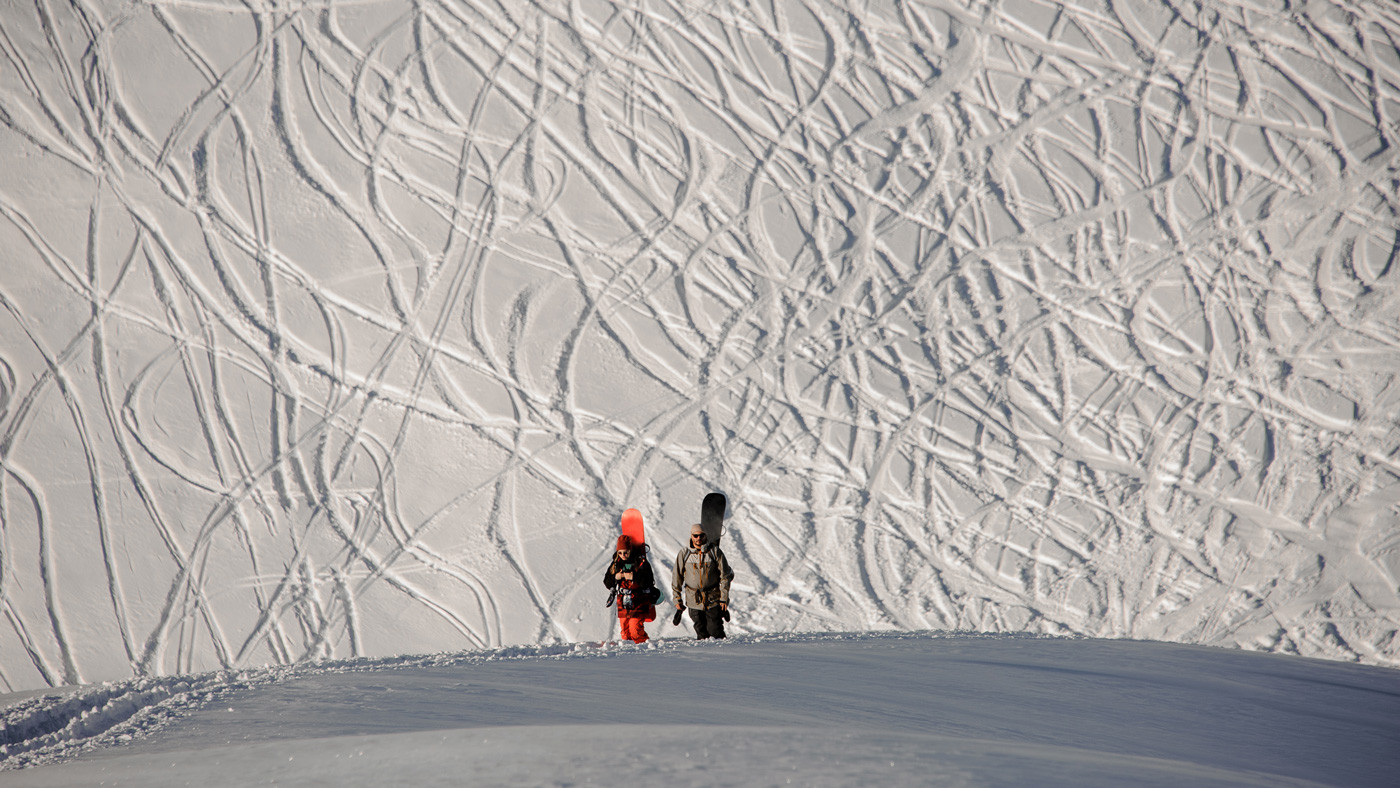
(699, 620)
(715, 621)
(634, 629)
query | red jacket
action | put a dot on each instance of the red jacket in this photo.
(636, 597)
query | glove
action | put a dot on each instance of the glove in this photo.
(676, 619)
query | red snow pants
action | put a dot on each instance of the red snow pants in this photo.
(633, 628)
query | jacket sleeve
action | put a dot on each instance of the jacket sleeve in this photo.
(608, 579)
(725, 576)
(678, 579)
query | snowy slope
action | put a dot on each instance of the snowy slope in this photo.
(778, 710)
(332, 329)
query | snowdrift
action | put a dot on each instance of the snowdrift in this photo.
(838, 710)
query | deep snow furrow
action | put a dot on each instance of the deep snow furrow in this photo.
(75, 719)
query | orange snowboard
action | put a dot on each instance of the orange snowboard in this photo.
(632, 526)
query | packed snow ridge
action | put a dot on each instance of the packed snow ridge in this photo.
(941, 709)
(337, 330)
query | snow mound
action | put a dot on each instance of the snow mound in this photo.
(901, 709)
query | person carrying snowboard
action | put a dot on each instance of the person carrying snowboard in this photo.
(634, 586)
(700, 582)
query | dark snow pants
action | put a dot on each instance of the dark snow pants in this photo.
(709, 623)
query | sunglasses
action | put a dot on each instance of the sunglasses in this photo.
(701, 537)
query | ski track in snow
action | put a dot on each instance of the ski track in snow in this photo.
(57, 725)
(340, 329)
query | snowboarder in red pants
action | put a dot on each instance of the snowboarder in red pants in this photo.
(634, 584)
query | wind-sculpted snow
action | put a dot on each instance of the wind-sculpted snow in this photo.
(40, 729)
(61, 724)
(339, 329)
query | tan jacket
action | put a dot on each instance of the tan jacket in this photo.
(703, 576)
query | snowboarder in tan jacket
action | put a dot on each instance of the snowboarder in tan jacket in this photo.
(700, 582)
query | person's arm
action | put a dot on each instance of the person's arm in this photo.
(725, 576)
(609, 577)
(646, 578)
(678, 580)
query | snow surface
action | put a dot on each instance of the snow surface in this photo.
(336, 329)
(863, 709)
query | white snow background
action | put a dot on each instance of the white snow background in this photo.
(346, 330)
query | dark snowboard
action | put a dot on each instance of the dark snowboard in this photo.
(712, 521)
(712, 516)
